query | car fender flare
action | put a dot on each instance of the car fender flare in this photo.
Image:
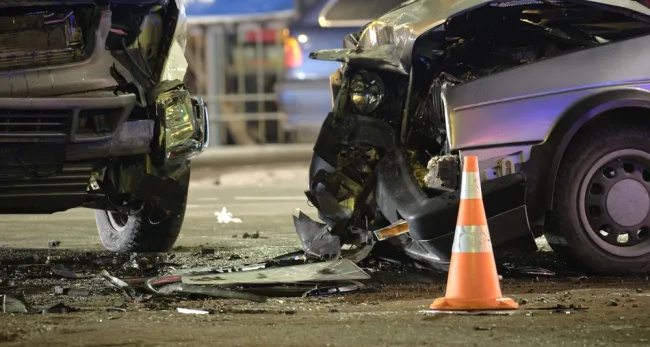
(574, 119)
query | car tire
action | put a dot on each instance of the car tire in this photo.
(600, 220)
(141, 232)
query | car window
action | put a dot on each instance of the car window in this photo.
(349, 10)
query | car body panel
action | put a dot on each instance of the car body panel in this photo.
(480, 115)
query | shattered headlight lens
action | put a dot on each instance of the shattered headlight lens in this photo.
(178, 121)
(366, 91)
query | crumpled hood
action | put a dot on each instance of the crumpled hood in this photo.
(387, 42)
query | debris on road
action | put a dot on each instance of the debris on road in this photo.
(54, 244)
(190, 311)
(71, 291)
(188, 289)
(317, 241)
(12, 305)
(59, 308)
(225, 217)
(66, 273)
(256, 235)
(337, 270)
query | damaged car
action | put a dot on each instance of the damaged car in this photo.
(94, 113)
(551, 95)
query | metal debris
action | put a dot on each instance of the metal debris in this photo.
(183, 288)
(67, 273)
(317, 241)
(59, 308)
(128, 292)
(225, 217)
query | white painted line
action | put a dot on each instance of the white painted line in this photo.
(208, 199)
(193, 206)
(271, 198)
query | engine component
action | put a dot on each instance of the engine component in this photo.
(443, 173)
(42, 38)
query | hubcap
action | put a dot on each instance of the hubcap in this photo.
(615, 203)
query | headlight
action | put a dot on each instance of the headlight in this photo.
(366, 91)
(176, 65)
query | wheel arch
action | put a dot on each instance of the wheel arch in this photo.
(592, 111)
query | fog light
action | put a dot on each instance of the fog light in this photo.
(366, 91)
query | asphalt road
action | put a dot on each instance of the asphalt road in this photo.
(561, 310)
(263, 199)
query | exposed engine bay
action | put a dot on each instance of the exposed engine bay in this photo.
(407, 111)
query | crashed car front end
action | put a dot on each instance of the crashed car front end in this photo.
(431, 82)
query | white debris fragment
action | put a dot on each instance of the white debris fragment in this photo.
(225, 217)
(190, 311)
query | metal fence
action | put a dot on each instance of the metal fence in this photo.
(234, 67)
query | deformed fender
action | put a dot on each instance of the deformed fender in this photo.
(546, 157)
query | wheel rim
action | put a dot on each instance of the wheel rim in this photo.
(118, 221)
(615, 203)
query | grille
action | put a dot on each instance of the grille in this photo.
(66, 180)
(34, 126)
(40, 39)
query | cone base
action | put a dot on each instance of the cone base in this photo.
(467, 304)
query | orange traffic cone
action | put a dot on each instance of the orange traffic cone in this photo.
(472, 283)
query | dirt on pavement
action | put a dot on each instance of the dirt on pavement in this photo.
(564, 309)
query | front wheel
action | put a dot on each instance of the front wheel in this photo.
(601, 215)
(145, 230)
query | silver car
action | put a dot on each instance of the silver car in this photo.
(552, 96)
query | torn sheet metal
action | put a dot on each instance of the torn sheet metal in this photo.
(337, 270)
(317, 241)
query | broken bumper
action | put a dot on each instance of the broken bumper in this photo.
(431, 220)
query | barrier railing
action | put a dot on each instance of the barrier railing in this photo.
(234, 67)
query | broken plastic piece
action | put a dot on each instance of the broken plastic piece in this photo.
(225, 217)
(316, 239)
(393, 230)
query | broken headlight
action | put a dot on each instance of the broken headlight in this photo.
(183, 132)
(366, 91)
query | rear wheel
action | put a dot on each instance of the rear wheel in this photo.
(601, 215)
(146, 230)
